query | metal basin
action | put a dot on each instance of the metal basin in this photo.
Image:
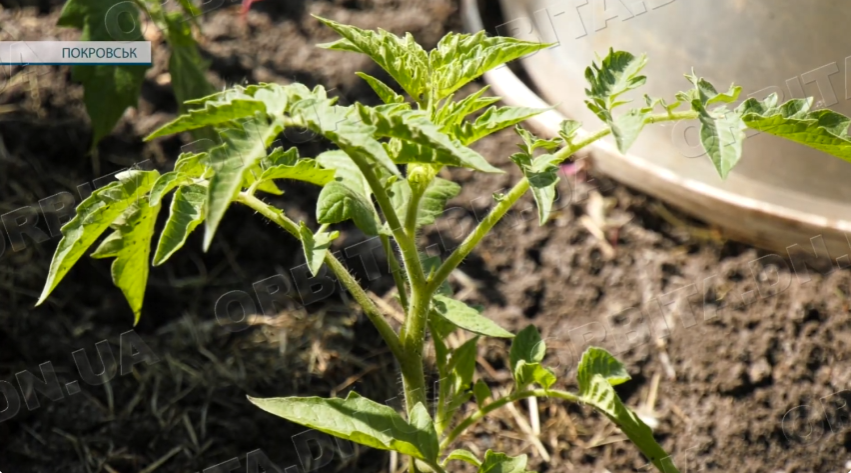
(781, 193)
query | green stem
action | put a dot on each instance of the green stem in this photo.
(272, 213)
(672, 116)
(395, 270)
(436, 466)
(369, 308)
(413, 330)
(411, 356)
(473, 239)
(508, 201)
(501, 402)
(412, 212)
(441, 419)
(413, 342)
(410, 256)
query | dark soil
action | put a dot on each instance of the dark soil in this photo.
(718, 378)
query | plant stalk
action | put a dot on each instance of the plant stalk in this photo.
(395, 270)
(511, 198)
(369, 308)
(501, 402)
(413, 343)
(412, 213)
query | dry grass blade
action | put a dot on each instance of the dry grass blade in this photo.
(157, 464)
(600, 224)
(529, 433)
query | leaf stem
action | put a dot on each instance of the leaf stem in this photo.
(412, 211)
(413, 342)
(412, 336)
(501, 402)
(410, 255)
(502, 207)
(369, 308)
(437, 468)
(395, 270)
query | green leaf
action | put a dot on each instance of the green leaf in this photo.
(194, 165)
(402, 58)
(305, 170)
(532, 142)
(430, 265)
(824, 130)
(279, 157)
(468, 318)
(345, 171)
(598, 362)
(357, 419)
(275, 97)
(400, 195)
(464, 456)
(463, 364)
(452, 113)
(440, 328)
(502, 463)
(433, 201)
(385, 93)
(131, 249)
(528, 373)
(315, 246)
(89, 16)
(482, 392)
(93, 217)
(185, 63)
(627, 127)
(342, 126)
(568, 128)
(493, 120)
(651, 104)
(190, 9)
(338, 203)
(428, 441)
(213, 113)
(598, 373)
(527, 346)
(108, 90)
(110, 246)
(165, 184)
(278, 98)
(705, 92)
(460, 58)
(237, 104)
(542, 174)
(187, 212)
(617, 74)
(413, 126)
(543, 178)
(722, 134)
(242, 148)
(251, 177)
(405, 152)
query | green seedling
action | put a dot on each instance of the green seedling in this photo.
(383, 176)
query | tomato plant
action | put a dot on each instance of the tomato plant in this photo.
(383, 176)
